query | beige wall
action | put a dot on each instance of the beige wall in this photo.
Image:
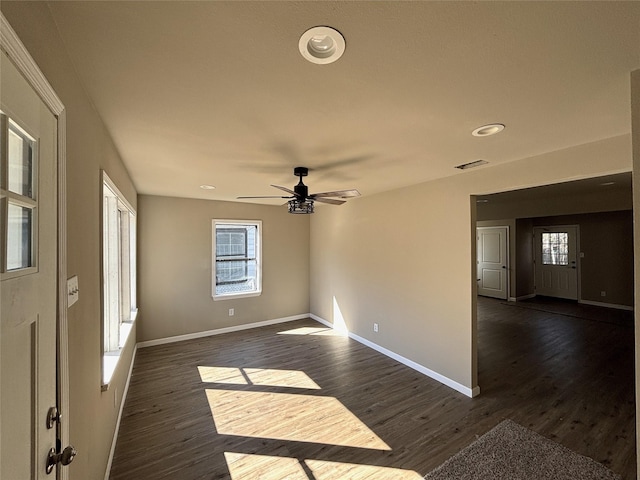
(93, 413)
(606, 240)
(405, 259)
(174, 270)
(635, 129)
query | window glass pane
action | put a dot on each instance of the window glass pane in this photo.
(231, 242)
(20, 175)
(236, 265)
(555, 248)
(19, 237)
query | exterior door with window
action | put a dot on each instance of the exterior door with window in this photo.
(556, 266)
(28, 275)
(492, 261)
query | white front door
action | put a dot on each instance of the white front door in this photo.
(556, 266)
(28, 276)
(492, 261)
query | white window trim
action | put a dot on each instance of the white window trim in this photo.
(7, 197)
(229, 296)
(111, 356)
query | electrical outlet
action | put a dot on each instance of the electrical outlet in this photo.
(375, 327)
(231, 312)
(603, 293)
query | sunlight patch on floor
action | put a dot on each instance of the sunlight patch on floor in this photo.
(324, 470)
(243, 466)
(263, 467)
(283, 416)
(226, 375)
(264, 377)
(324, 331)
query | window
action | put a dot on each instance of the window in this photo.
(119, 273)
(555, 248)
(19, 203)
(236, 258)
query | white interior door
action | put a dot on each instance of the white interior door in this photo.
(556, 266)
(28, 276)
(492, 261)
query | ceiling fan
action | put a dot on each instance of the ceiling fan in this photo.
(300, 201)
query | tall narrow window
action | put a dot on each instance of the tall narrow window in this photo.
(19, 203)
(236, 254)
(119, 272)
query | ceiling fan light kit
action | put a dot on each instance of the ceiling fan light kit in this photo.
(300, 208)
(321, 45)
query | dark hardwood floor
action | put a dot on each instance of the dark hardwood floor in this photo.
(266, 405)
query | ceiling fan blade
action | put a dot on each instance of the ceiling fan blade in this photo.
(339, 194)
(285, 189)
(328, 200)
(267, 196)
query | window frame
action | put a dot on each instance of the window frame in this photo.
(118, 279)
(215, 223)
(20, 200)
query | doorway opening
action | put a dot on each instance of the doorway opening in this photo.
(563, 339)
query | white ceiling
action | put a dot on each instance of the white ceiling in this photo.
(216, 92)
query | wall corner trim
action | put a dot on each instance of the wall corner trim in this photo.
(117, 429)
(469, 392)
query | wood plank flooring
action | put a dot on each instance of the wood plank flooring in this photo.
(262, 404)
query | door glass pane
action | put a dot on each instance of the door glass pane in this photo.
(19, 237)
(555, 248)
(21, 150)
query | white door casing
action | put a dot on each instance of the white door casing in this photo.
(34, 338)
(493, 261)
(556, 261)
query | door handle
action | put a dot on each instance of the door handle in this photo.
(65, 457)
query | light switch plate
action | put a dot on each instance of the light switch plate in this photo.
(72, 290)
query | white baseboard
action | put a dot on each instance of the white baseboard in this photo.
(469, 392)
(220, 331)
(122, 400)
(607, 305)
(523, 297)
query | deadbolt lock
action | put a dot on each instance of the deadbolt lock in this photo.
(53, 416)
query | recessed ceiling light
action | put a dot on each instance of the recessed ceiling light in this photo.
(321, 45)
(486, 130)
(207, 187)
(482, 200)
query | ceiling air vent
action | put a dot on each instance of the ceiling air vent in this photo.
(476, 163)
